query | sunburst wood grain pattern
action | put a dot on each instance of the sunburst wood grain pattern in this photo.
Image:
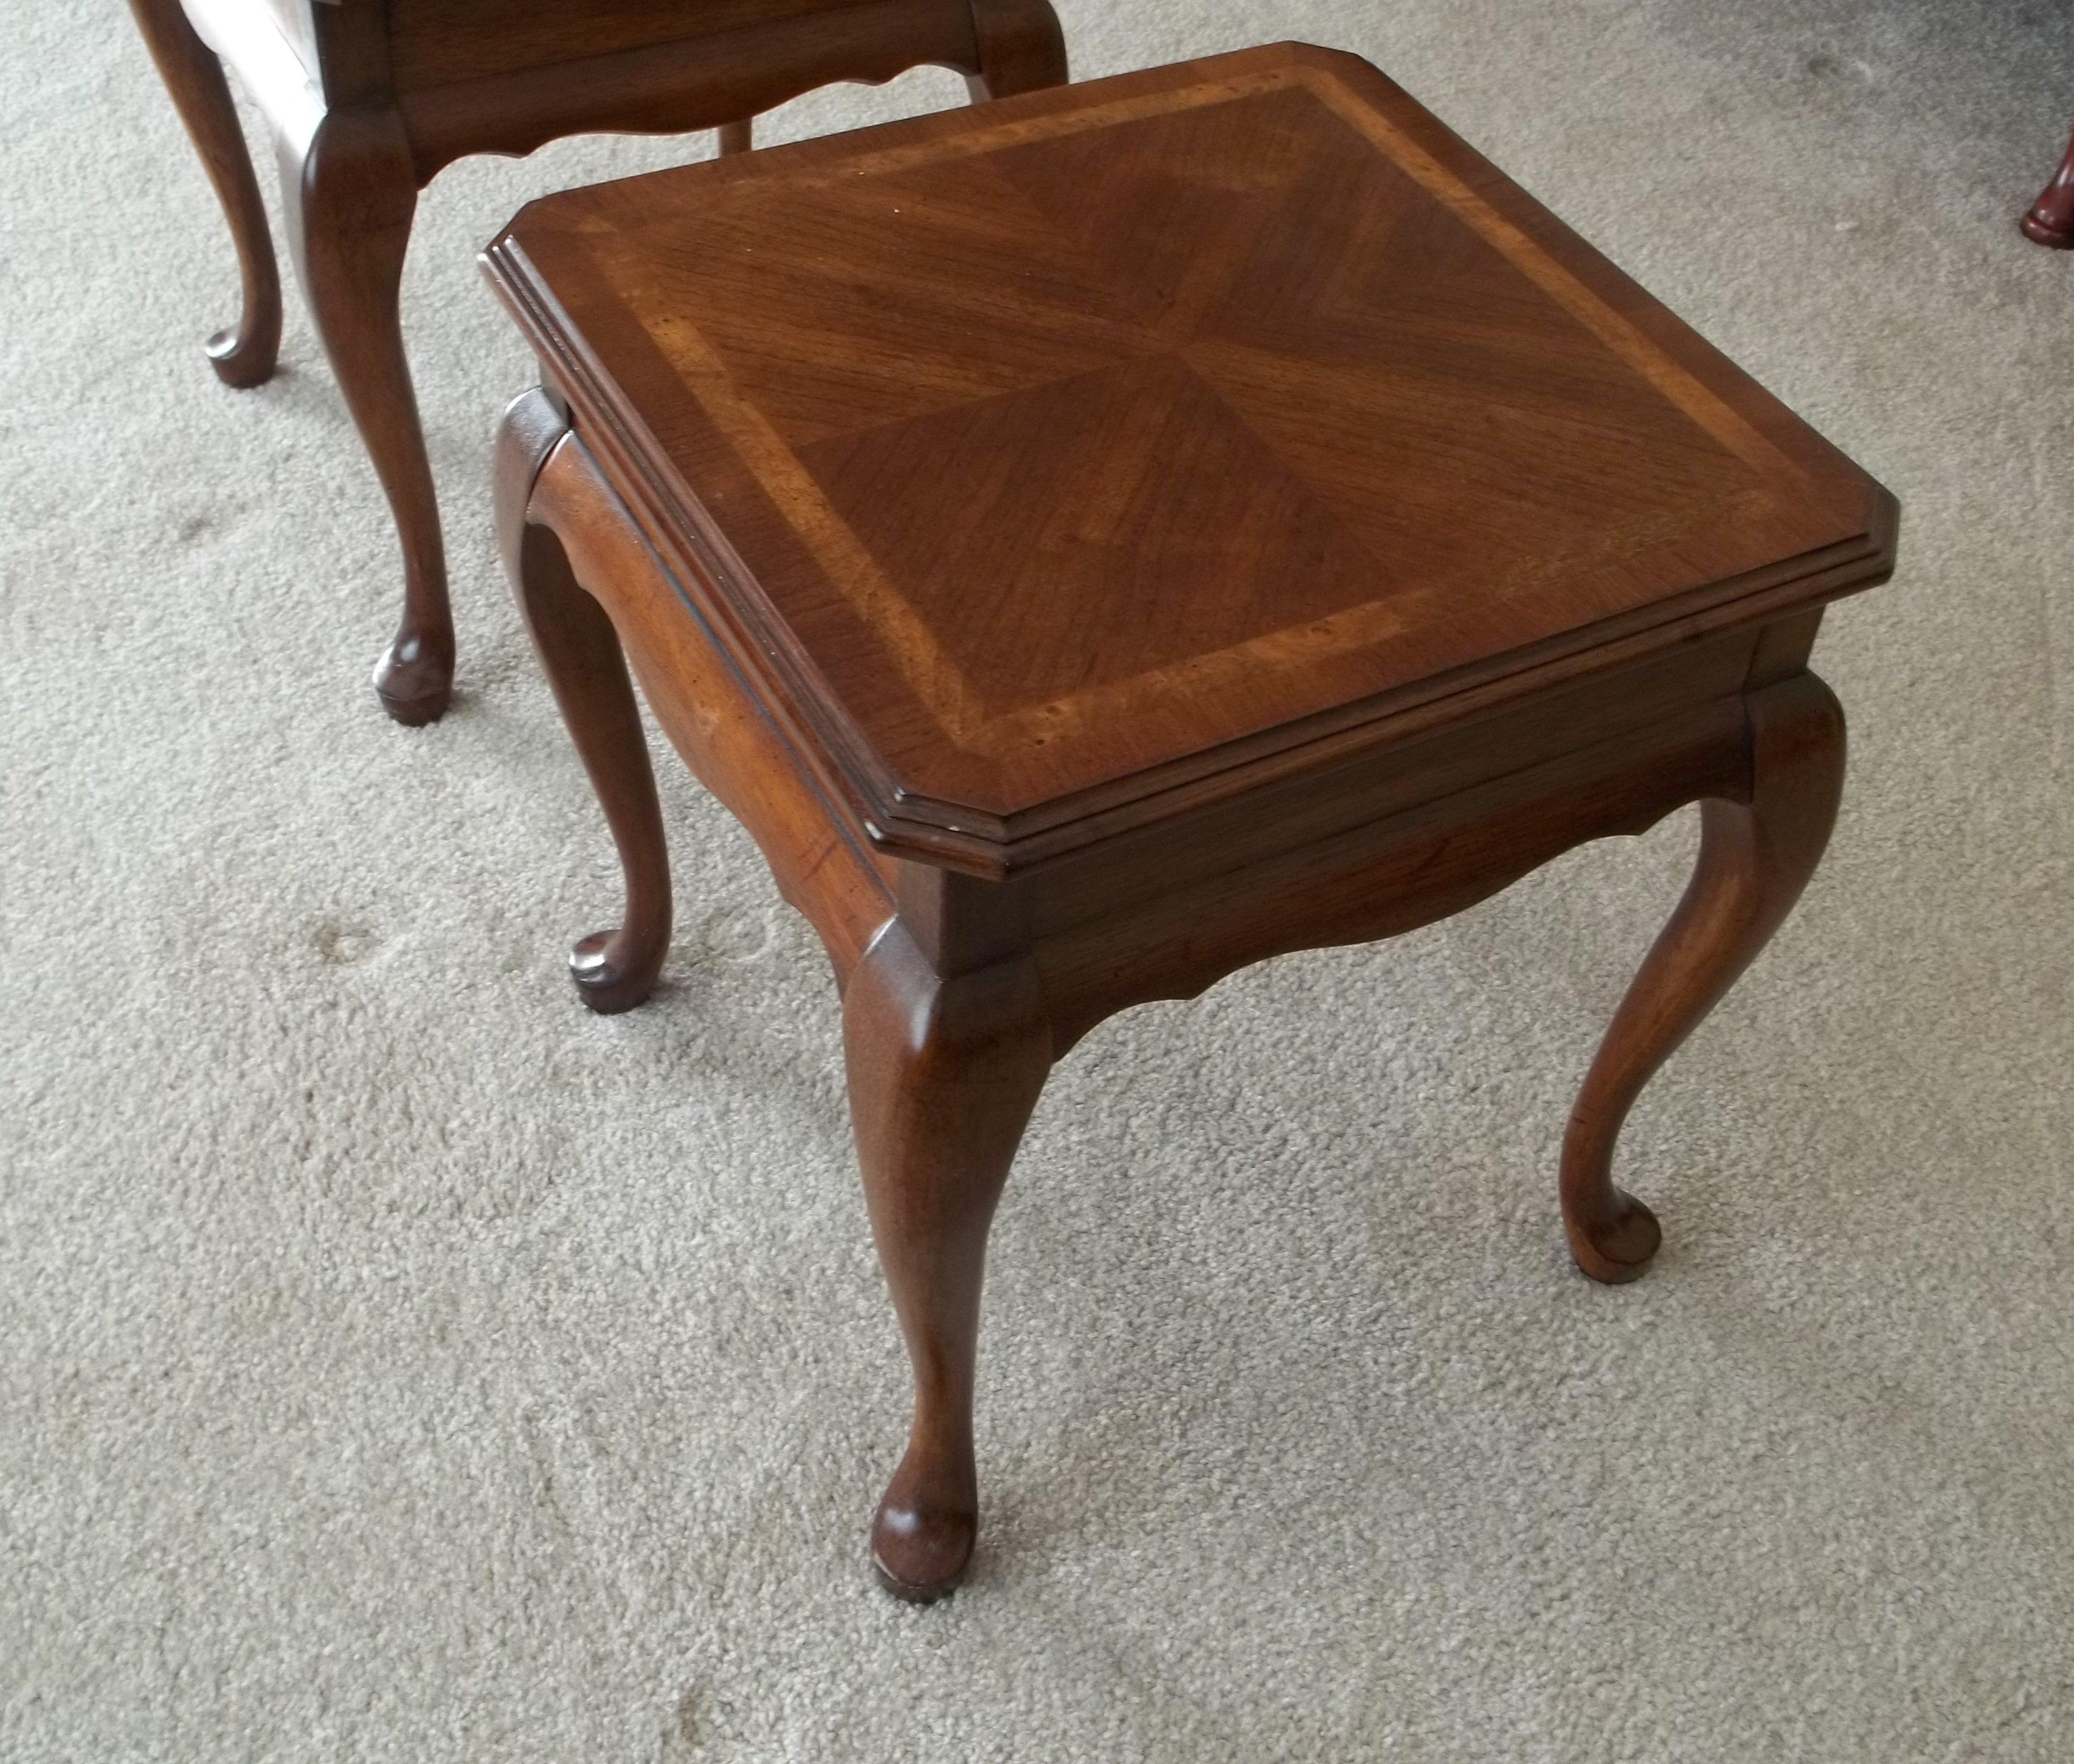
(1070, 443)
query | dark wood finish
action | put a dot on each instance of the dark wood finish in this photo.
(1221, 261)
(348, 200)
(706, 79)
(445, 42)
(369, 101)
(1098, 543)
(728, 738)
(1021, 48)
(2050, 219)
(1756, 851)
(244, 354)
(615, 970)
(944, 1067)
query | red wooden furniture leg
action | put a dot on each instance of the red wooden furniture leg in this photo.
(244, 354)
(2051, 220)
(349, 199)
(1755, 857)
(944, 1073)
(614, 970)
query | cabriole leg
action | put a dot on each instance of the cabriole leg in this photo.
(943, 1076)
(244, 355)
(1755, 857)
(614, 970)
(350, 199)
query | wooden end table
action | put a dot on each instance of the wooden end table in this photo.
(369, 100)
(1101, 541)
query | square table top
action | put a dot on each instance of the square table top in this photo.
(1050, 457)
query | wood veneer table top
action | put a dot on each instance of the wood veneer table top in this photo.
(1042, 460)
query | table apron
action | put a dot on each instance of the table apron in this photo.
(702, 80)
(1389, 875)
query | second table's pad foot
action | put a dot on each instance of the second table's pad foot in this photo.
(414, 683)
(920, 1557)
(2039, 229)
(1617, 1246)
(2051, 219)
(607, 977)
(245, 355)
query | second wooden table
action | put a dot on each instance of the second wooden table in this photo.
(370, 101)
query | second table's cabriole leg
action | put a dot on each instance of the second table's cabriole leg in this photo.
(350, 198)
(944, 1074)
(1755, 857)
(737, 137)
(613, 971)
(245, 354)
(1021, 47)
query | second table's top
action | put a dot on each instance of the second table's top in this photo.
(1053, 454)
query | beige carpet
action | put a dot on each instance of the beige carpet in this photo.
(396, 1363)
